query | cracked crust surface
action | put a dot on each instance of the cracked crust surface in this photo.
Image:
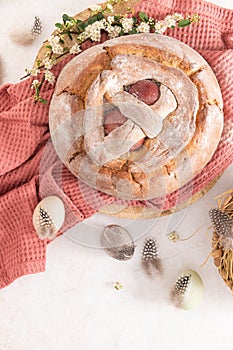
(171, 156)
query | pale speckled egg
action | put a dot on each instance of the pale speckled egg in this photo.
(48, 217)
(188, 290)
(117, 242)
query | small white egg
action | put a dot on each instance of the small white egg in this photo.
(48, 217)
(188, 290)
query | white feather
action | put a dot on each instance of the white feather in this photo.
(21, 32)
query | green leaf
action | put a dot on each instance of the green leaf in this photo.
(184, 23)
(117, 18)
(70, 36)
(133, 31)
(92, 20)
(59, 25)
(143, 16)
(37, 90)
(38, 63)
(135, 20)
(100, 16)
(49, 47)
(61, 41)
(42, 100)
(67, 18)
(81, 26)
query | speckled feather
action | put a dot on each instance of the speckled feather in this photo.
(46, 228)
(179, 289)
(150, 260)
(181, 284)
(44, 218)
(223, 223)
(37, 27)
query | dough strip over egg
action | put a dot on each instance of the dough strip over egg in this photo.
(176, 88)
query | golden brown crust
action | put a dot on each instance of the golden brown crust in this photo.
(131, 176)
(144, 212)
(86, 76)
(152, 53)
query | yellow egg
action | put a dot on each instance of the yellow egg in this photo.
(188, 290)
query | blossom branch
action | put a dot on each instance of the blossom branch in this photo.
(78, 32)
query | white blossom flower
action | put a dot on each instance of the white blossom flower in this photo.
(160, 27)
(109, 7)
(143, 28)
(48, 62)
(127, 24)
(33, 72)
(114, 31)
(93, 31)
(170, 21)
(53, 40)
(28, 70)
(75, 49)
(103, 23)
(35, 83)
(49, 76)
(151, 21)
(57, 49)
(110, 19)
(178, 16)
(95, 8)
(82, 37)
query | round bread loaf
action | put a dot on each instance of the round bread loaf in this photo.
(136, 117)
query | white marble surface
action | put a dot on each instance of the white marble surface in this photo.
(73, 305)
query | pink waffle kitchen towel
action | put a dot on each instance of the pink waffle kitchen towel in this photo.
(26, 174)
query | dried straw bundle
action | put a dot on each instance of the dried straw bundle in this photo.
(221, 252)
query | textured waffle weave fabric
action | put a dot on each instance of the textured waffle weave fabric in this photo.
(30, 169)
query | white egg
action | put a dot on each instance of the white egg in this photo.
(188, 290)
(48, 217)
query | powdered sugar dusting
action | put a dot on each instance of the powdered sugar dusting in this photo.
(180, 137)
